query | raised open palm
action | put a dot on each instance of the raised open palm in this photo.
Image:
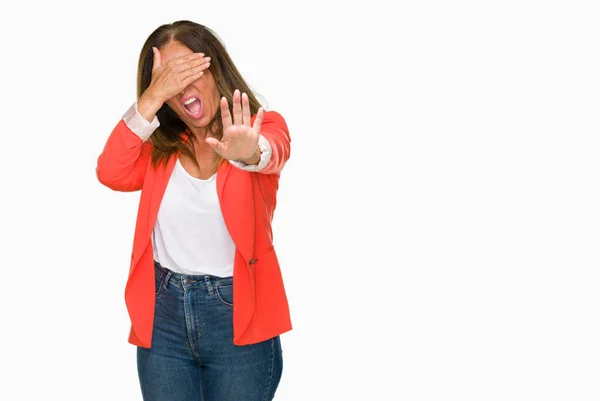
(240, 140)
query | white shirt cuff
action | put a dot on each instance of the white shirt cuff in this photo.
(265, 156)
(138, 124)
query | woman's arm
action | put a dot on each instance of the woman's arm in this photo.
(274, 145)
(123, 162)
(275, 130)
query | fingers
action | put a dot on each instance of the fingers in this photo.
(245, 110)
(191, 70)
(187, 58)
(225, 114)
(241, 112)
(258, 121)
(188, 62)
(191, 78)
(195, 65)
(194, 70)
(156, 59)
(237, 108)
(219, 147)
(216, 145)
(172, 76)
(191, 64)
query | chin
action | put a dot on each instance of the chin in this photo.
(200, 123)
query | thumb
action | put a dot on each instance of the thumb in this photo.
(216, 145)
(156, 60)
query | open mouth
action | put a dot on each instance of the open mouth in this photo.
(193, 106)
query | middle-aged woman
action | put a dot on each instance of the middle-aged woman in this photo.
(205, 293)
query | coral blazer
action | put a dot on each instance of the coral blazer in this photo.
(247, 200)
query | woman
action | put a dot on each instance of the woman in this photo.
(204, 293)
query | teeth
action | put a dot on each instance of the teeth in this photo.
(190, 101)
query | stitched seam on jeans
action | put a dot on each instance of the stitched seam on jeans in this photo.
(160, 285)
(187, 326)
(220, 298)
(164, 282)
(268, 389)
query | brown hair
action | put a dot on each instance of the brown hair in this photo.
(166, 139)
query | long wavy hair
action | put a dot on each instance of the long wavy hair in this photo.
(167, 139)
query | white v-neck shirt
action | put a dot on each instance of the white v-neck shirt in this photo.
(190, 235)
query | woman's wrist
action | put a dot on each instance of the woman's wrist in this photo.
(255, 159)
(148, 105)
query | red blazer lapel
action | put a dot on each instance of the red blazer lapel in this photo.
(161, 179)
(155, 185)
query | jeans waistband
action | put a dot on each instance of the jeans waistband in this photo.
(186, 280)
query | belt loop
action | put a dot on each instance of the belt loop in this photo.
(209, 285)
(166, 280)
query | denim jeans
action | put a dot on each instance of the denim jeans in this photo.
(193, 356)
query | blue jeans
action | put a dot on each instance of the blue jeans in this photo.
(193, 356)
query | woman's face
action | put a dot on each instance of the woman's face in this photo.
(195, 115)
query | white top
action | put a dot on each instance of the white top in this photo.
(190, 235)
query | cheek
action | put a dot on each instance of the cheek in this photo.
(210, 92)
(211, 104)
(173, 105)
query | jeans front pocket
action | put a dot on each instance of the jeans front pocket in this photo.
(225, 294)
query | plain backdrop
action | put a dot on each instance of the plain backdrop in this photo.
(438, 221)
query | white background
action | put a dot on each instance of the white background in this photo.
(438, 221)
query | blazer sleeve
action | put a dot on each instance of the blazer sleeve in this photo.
(275, 130)
(124, 160)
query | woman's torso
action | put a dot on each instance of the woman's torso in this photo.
(190, 235)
